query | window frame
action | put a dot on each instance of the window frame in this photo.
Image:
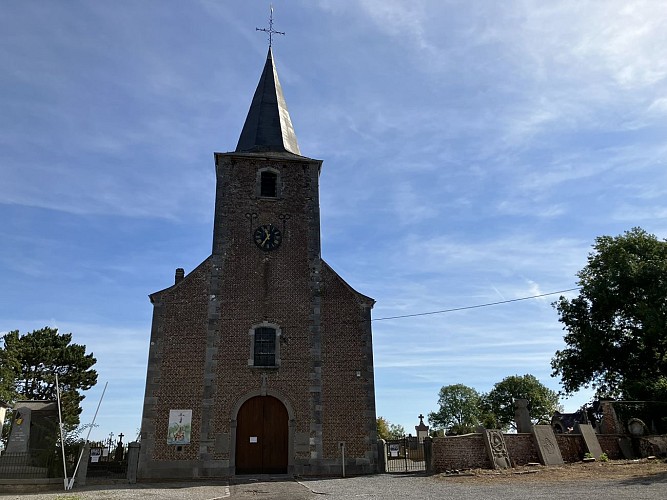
(258, 188)
(276, 356)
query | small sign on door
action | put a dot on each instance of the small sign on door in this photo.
(253, 439)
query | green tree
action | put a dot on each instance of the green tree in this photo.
(396, 431)
(499, 402)
(382, 428)
(460, 409)
(387, 430)
(30, 363)
(617, 326)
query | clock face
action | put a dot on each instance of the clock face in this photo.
(268, 237)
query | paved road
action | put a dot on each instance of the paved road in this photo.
(426, 488)
(384, 487)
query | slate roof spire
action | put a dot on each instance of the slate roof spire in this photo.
(268, 127)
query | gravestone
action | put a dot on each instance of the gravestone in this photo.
(522, 416)
(496, 449)
(547, 446)
(590, 439)
(636, 427)
(625, 444)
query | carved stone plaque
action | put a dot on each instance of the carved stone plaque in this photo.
(547, 446)
(495, 447)
(19, 436)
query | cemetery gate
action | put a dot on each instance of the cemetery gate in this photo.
(405, 455)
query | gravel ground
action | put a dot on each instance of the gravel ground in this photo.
(617, 480)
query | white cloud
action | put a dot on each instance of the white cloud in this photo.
(658, 107)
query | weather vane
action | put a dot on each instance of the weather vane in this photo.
(270, 31)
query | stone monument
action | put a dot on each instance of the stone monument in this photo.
(496, 449)
(32, 438)
(522, 416)
(421, 429)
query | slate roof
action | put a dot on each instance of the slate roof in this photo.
(268, 127)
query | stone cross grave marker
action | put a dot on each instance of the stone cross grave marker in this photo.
(547, 446)
(522, 416)
(422, 429)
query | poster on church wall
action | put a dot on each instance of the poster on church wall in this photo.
(180, 426)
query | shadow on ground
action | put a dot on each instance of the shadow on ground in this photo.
(659, 477)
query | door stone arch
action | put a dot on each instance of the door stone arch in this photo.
(262, 434)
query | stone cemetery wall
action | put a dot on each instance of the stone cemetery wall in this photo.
(653, 445)
(521, 448)
(468, 451)
(460, 452)
(609, 444)
(571, 446)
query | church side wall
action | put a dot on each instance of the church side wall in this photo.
(175, 375)
(348, 399)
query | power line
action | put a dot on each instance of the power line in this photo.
(475, 306)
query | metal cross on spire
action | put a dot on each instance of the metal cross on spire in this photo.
(270, 31)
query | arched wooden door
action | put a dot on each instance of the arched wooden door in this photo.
(262, 431)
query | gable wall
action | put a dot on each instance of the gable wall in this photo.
(348, 401)
(176, 364)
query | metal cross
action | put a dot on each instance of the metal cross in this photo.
(270, 31)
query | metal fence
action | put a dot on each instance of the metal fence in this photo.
(37, 464)
(111, 465)
(405, 455)
(41, 464)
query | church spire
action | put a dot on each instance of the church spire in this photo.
(268, 127)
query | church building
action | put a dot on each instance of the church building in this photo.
(261, 358)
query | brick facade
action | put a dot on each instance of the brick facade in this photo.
(521, 448)
(201, 335)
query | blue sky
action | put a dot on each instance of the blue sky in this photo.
(472, 152)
